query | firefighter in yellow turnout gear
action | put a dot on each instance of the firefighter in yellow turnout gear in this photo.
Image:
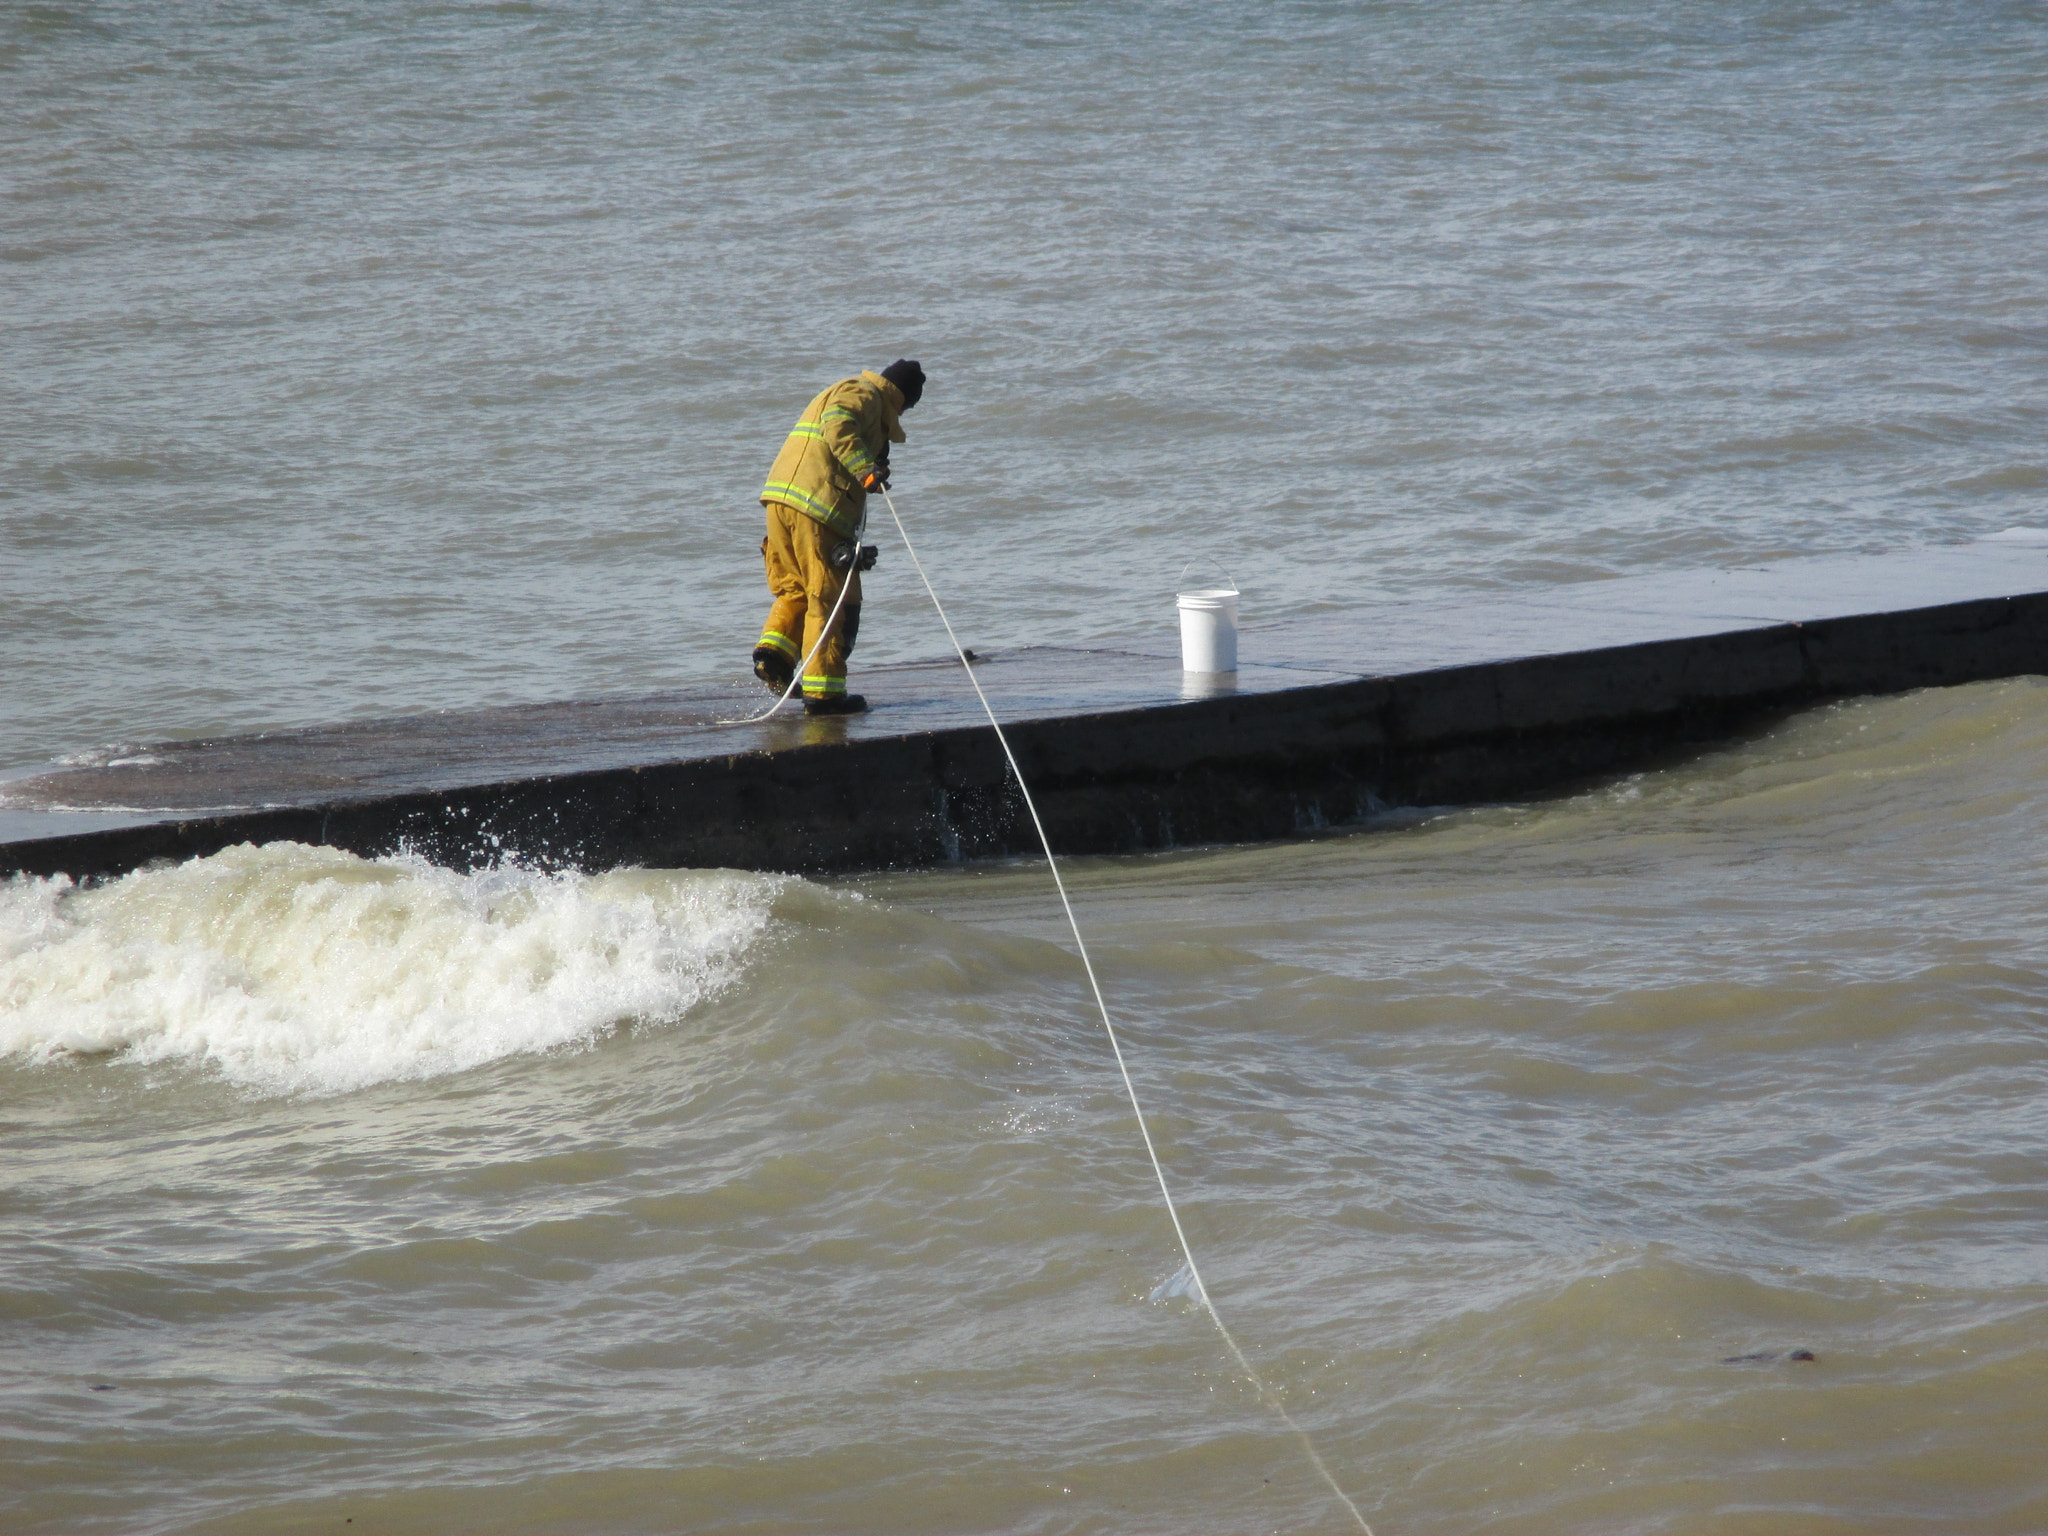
(816, 500)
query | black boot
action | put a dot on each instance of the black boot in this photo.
(773, 668)
(839, 704)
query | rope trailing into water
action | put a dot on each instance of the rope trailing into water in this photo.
(1266, 1393)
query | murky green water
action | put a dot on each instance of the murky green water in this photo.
(380, 357)
(716, 1202)
(363, 359)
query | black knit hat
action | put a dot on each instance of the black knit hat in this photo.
(908, 377)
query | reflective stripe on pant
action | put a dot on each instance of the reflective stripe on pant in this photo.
(805, 588)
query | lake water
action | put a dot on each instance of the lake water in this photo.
(367, 359)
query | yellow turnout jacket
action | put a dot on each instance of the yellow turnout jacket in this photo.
(842, 436)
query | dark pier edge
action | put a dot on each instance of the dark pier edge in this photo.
(1230, 769)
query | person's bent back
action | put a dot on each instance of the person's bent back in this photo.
(816, 501)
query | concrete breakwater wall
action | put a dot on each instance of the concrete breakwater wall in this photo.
(1128, 758)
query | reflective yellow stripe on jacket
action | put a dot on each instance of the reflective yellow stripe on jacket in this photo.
(834, 445)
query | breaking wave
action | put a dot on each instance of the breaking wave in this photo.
(294, 969)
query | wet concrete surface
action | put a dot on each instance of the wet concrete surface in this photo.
(1330, 717)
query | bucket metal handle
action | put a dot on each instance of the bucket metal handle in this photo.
(1210, 559)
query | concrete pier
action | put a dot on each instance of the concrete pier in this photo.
(1328, 720)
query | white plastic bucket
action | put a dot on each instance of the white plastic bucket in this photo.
(1208, 630)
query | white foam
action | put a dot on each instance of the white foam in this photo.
(297, 969)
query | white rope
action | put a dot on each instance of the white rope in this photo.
(1266, 1393)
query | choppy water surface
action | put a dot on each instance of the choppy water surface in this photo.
(371, 358)
(364, 358)
(699, 1201)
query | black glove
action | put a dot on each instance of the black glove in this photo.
(852, 557)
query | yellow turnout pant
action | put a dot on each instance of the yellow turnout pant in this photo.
(805, 588)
